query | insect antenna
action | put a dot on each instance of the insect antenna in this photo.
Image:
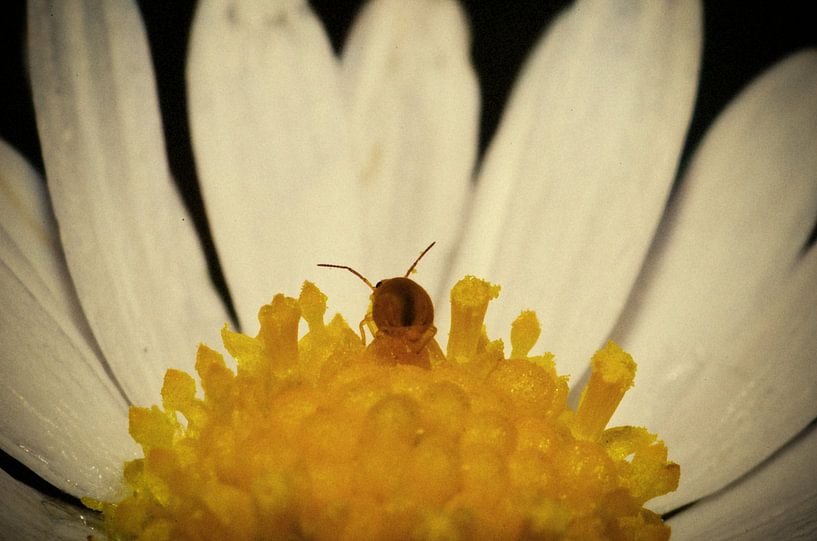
(350, 269)
(419, 258)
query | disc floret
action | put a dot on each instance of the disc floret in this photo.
(321, 437)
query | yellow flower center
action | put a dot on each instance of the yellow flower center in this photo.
(323, 438)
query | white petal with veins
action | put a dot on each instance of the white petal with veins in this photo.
(414, 105)
(54, 391)
(575, 182)
(26, 215)
(721, 324)
(777, 501)
(38, 428)
(27, 220)
(271, 139)
(27, 515)
(131, 249)
(751, 398)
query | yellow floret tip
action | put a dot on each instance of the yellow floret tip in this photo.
(320, 437)
(612, 375)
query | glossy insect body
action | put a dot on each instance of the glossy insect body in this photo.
(400, 302)
(401, 318)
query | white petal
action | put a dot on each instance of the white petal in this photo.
(36, 280)
(26, 216)
(28, 222)
(27, 515)
(62, 416)
(36, 273)
(271, 140)
(574, 184)
(738, 222)
(750, 398)
(718, 318)
(777, 501)
(414, 115)
(131, 249)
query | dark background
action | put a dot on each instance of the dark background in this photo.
(741, 40)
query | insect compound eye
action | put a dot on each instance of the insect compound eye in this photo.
(378, 284)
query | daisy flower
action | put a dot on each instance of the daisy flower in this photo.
(304, 156)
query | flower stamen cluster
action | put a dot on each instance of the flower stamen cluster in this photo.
(319, 437)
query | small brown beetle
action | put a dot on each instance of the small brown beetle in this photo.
(401, 309)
